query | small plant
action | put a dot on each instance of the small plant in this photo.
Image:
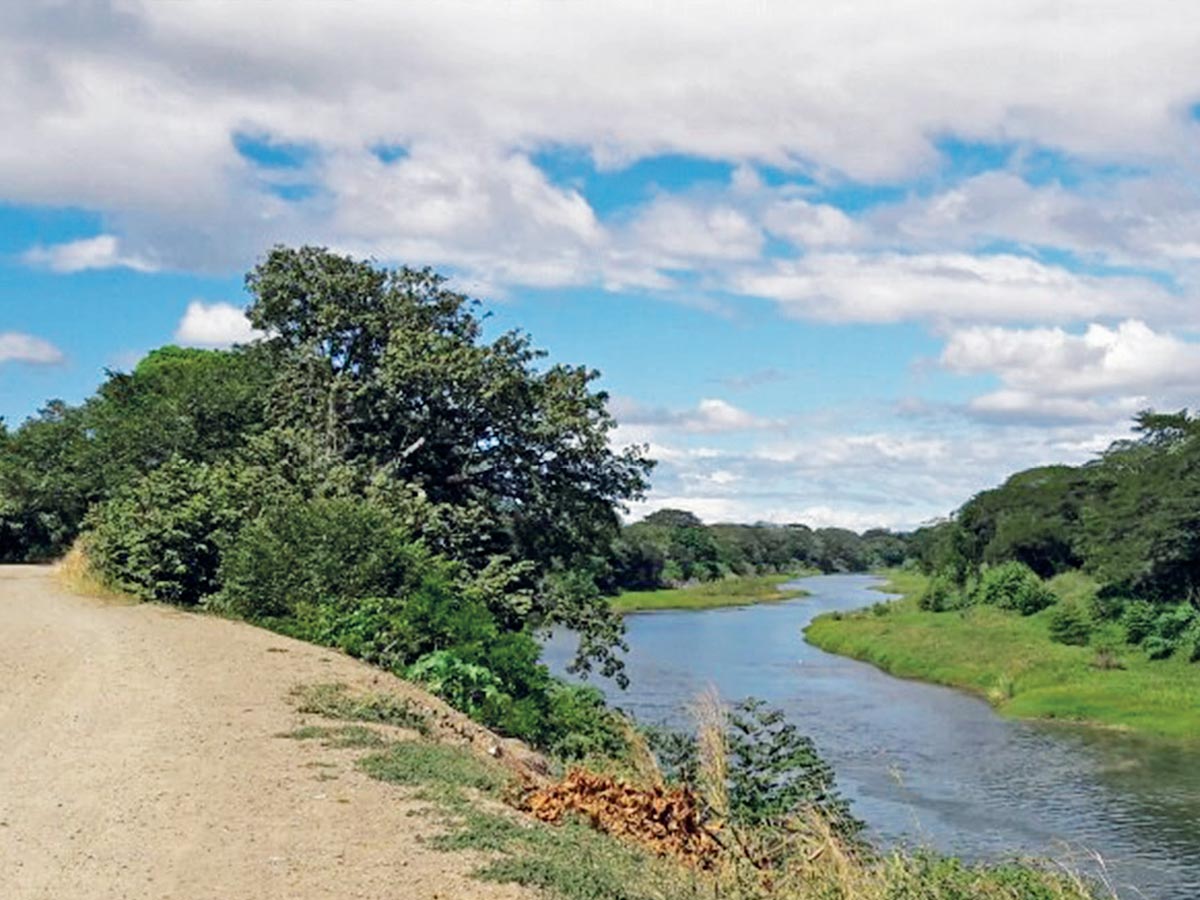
(468, 687)
(334, 701)
(1107, 658)
(1069, 624)
(1003, 690)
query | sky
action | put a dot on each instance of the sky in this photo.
(843, 264)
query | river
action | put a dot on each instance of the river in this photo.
(925, 765)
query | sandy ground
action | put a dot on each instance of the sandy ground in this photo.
(140, 757)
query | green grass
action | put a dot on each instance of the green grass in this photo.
(742, 590)
(1010, 660)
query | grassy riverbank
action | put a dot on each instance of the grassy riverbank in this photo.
(1011, 660)
(742, 590)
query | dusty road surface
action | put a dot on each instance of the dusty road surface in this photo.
(140, 758)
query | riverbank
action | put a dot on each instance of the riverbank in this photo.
(1012, 662)
(742, 590)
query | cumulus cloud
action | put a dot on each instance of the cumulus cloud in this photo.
(100, 252)
(16, 346)
(214, 325)
(151, 95)
(1104, 373)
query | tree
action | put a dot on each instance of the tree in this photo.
(388, 372)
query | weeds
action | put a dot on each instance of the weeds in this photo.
(334, 701)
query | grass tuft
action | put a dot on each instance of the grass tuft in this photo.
(335, 701)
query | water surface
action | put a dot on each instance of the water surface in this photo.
(926, 765)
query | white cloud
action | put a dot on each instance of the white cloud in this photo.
(893, 287)
(152, 94)
(214, 325)
(860, 480)
(16, 346)
(710, 416)
(100, 252)
(1104, 374)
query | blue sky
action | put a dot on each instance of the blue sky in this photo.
(827, 277)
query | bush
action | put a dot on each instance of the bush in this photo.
(1015, 586)
(1109, 604)
(939, 595)
(313, 552)
(468, 687)
(772, 770)
(580, 724)
(1174, 628)
(1069, 624)
(1138, 621)
(161, 537)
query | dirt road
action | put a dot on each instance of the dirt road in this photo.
(140, 758)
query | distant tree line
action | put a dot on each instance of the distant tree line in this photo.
(672, 547)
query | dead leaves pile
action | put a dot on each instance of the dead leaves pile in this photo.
(667, 821)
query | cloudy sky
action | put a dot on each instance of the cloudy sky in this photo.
(839, 263)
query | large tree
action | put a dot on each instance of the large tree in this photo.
(387, 371)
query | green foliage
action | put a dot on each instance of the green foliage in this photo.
(581, 724)
(773, 770)
(194, 405)
(940, 594)
(468, 687)
(1013, 585)
(1175, 628)
(1138, 621)
(1069, 624)
(161, 537)
(673, 548)
(321, 551)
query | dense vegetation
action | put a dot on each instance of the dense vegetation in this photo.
(1130, 519)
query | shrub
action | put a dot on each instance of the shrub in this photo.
(468, 687)
(772, 771)
(160, 538)
(939, 595)
(1138, 621)
(1174, 628)
(1069, 624)
(318, 551)
(1158, 647)
(580, 724)
(1109, 604)
(1015, 586)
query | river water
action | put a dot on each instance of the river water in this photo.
(925, 765)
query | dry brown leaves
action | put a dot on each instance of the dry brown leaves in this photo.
(666, 821)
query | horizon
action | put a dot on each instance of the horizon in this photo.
(828, 277)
